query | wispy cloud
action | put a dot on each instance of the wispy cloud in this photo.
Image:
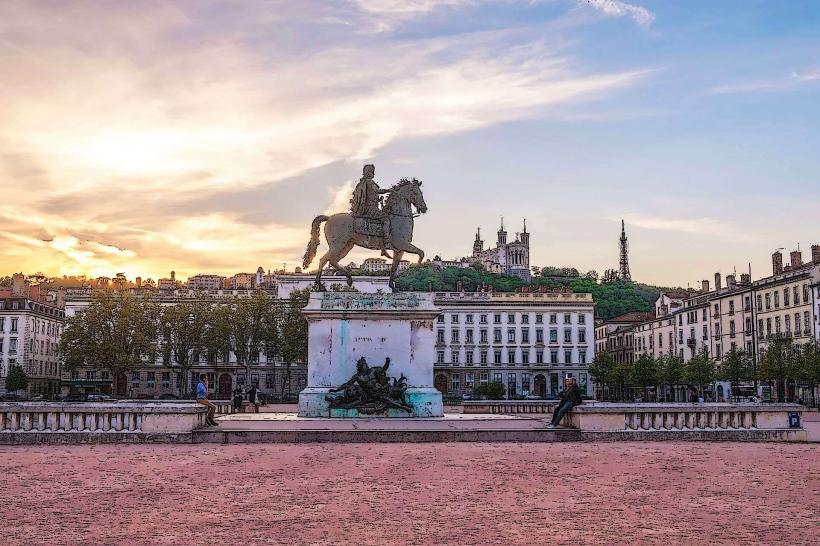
(789, 82)
(126, 113)
(615, 8)
(704, 225)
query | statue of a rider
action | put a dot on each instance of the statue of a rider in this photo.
(365, 204)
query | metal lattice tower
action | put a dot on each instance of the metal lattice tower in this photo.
(624, 245)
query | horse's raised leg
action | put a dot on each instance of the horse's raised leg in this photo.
(413, 249)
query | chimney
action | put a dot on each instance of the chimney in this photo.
(815, 254)
(718, 286)
(139, 282)
(796, 258)
(777, 262)
(745, 278)
(704, 285)
(19, 286)
(731, 281)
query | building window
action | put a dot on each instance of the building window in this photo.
(582, 357)
(768, 326)
(553, 319)
(269, 381)
(510, 318)
(440, 336)
(511, 356)
(788, 323)
(525, 335)
(510, 335)
(553, 335)
(469, 319)
(511, 386)
(454, 357)
(785, 297)
(759, 299)
(539, 318)
(747, 303)
(582, 336)
(768, 300)
(797, 324)
(497, 318)
(567, 335)
(454, 318)
(482, 319)
(806, 322)
(567, 357)
(440, 319)
(539, 335)
(468, 380)
(484, 378)
(553, 357)
(469, 336)
(2, 324)
(484, 336)
(705, 333)
(454, 336)
(135, 377)
(660, 340)
(468, 357)
(497, 335)
(456, 381)
(525, 357)
(731, 328)
(497, 357)
(483, 357)
(497, 377)
(539, 357)
(796, 293)
(731, 307)
(439, 357)
(13, 326)
(776, 325)
(567, 318)
(525, 318)
(776, 300)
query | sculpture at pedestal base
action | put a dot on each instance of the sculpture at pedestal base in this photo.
(370, 391)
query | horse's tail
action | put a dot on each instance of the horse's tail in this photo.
(310, 251)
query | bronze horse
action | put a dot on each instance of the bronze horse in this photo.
(343, 231)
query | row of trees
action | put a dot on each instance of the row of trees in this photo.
(612, 298)
(784, 364)
(120, 332)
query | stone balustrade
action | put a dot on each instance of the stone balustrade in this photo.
(100, 417)
(605, 417)
(509, 406)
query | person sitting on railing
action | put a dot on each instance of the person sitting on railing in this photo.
(202, 398)
(570, 397)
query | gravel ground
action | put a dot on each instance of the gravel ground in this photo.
(568, 493)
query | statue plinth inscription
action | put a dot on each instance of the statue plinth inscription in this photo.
(348, 330)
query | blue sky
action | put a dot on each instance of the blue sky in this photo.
(205, 136)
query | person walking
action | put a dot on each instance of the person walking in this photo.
(202, 398)
(570, 397)
(237, 400)
(252, 398)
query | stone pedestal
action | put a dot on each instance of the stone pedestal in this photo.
(344, 326)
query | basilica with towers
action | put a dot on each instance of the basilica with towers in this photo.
(510, 258)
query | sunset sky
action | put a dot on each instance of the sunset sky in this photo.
(201, 136)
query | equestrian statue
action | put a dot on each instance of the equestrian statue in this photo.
(370, 225)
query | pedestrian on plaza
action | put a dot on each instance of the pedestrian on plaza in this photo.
(252, 398)
(237, 400)
(202, 398)
(570, 397)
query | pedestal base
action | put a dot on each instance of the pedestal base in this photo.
(426, 402)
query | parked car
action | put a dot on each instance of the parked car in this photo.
(98, 397)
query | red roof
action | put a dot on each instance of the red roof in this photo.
(633, 316)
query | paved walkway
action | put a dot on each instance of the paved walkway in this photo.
(569, 493)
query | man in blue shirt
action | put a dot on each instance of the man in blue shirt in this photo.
(202, 398)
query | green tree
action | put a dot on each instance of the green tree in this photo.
(736, 367)
(700, 370)
(294, 333)
(602, 370)
(16, 380)
(490, 391)
(116, 332)
(644, 374)
(183, 327)
(670, 373)
(247, 325)
(780, 363)
(810, 364)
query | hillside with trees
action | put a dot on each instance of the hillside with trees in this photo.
(612, 296)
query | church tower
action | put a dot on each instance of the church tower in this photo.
(502, 234)
(624, 247)
(525, 237)
(478, 244)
